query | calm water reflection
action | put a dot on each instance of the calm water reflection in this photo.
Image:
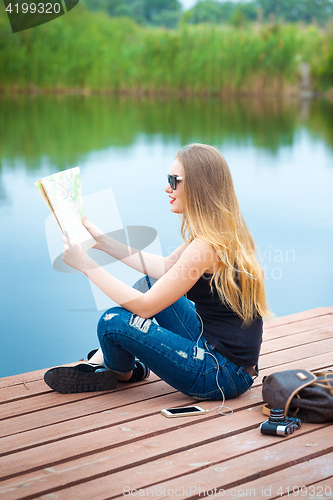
(281, 158)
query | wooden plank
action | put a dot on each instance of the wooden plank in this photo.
(104, 438)
(293, 482)
(292, 354)
(223, 463)
(89, 406)
(298, 317)
(52, 399)
(27, 390)
(297, 339)
(99, 420)
(108, 418)
(239, 432)
(307, 325)
(75, 448)
(14, 380)
(22, 391)
(314, 363)
(22, 377)
(221, 472)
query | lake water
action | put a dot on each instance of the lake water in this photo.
(281, 158)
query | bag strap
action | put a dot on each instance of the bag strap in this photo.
(325, 383)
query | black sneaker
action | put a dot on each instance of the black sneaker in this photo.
(146, 370)
(91, 353)
(80, 378)
(140, 372)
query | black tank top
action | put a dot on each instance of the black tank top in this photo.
(223, 328)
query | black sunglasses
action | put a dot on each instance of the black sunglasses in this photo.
(173, 179)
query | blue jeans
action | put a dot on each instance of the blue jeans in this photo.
(169, 347)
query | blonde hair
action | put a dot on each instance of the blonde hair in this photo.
(212, 213)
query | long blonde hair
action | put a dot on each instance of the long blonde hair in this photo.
(212, 213)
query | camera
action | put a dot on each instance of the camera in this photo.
(278, 424)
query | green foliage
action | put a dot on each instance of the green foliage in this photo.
(168, 12)
(242, 13)
(208, 11)
(212, 11)
(322, 67)
(90, 50)
(297, 10)
(146, 12)
(166, 18)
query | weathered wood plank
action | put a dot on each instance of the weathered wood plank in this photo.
(74, 409)
(231, 472)
(293, 354)
(300, 477)
(235, 435)
(313, 363)
(298, 317)
(85, 424)
(90, 446)
(298, 339)
(107, 418)
(25, 377)
(112, 436)
(34, 388)
(223, 463)
(289, 329)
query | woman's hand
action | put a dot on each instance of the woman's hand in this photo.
(74, 255)
(95, 232)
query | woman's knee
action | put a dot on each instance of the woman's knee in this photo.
(110, 318)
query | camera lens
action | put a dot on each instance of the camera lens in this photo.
(276, 415)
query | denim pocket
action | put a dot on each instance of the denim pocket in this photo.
(246, 377)
(208, 396)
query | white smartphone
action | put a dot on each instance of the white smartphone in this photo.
(183, 412)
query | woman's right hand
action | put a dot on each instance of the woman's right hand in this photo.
(95, 232)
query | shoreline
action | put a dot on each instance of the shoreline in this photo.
(138, 93)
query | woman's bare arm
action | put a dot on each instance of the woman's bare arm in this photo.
(197, 258)
(144, 262)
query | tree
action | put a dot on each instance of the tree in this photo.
(156, 12)
(297, 10)
(210, 11)
(243, 12)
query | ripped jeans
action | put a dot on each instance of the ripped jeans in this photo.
(169, 347)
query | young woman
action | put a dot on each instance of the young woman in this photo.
(207, 297)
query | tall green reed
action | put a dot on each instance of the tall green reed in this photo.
(85, 50)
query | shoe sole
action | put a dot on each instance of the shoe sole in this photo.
(71, 381)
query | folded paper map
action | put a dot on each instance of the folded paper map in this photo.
(62, 193)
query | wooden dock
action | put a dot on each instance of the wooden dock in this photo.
(117, 444)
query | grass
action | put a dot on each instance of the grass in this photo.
(93, 52)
